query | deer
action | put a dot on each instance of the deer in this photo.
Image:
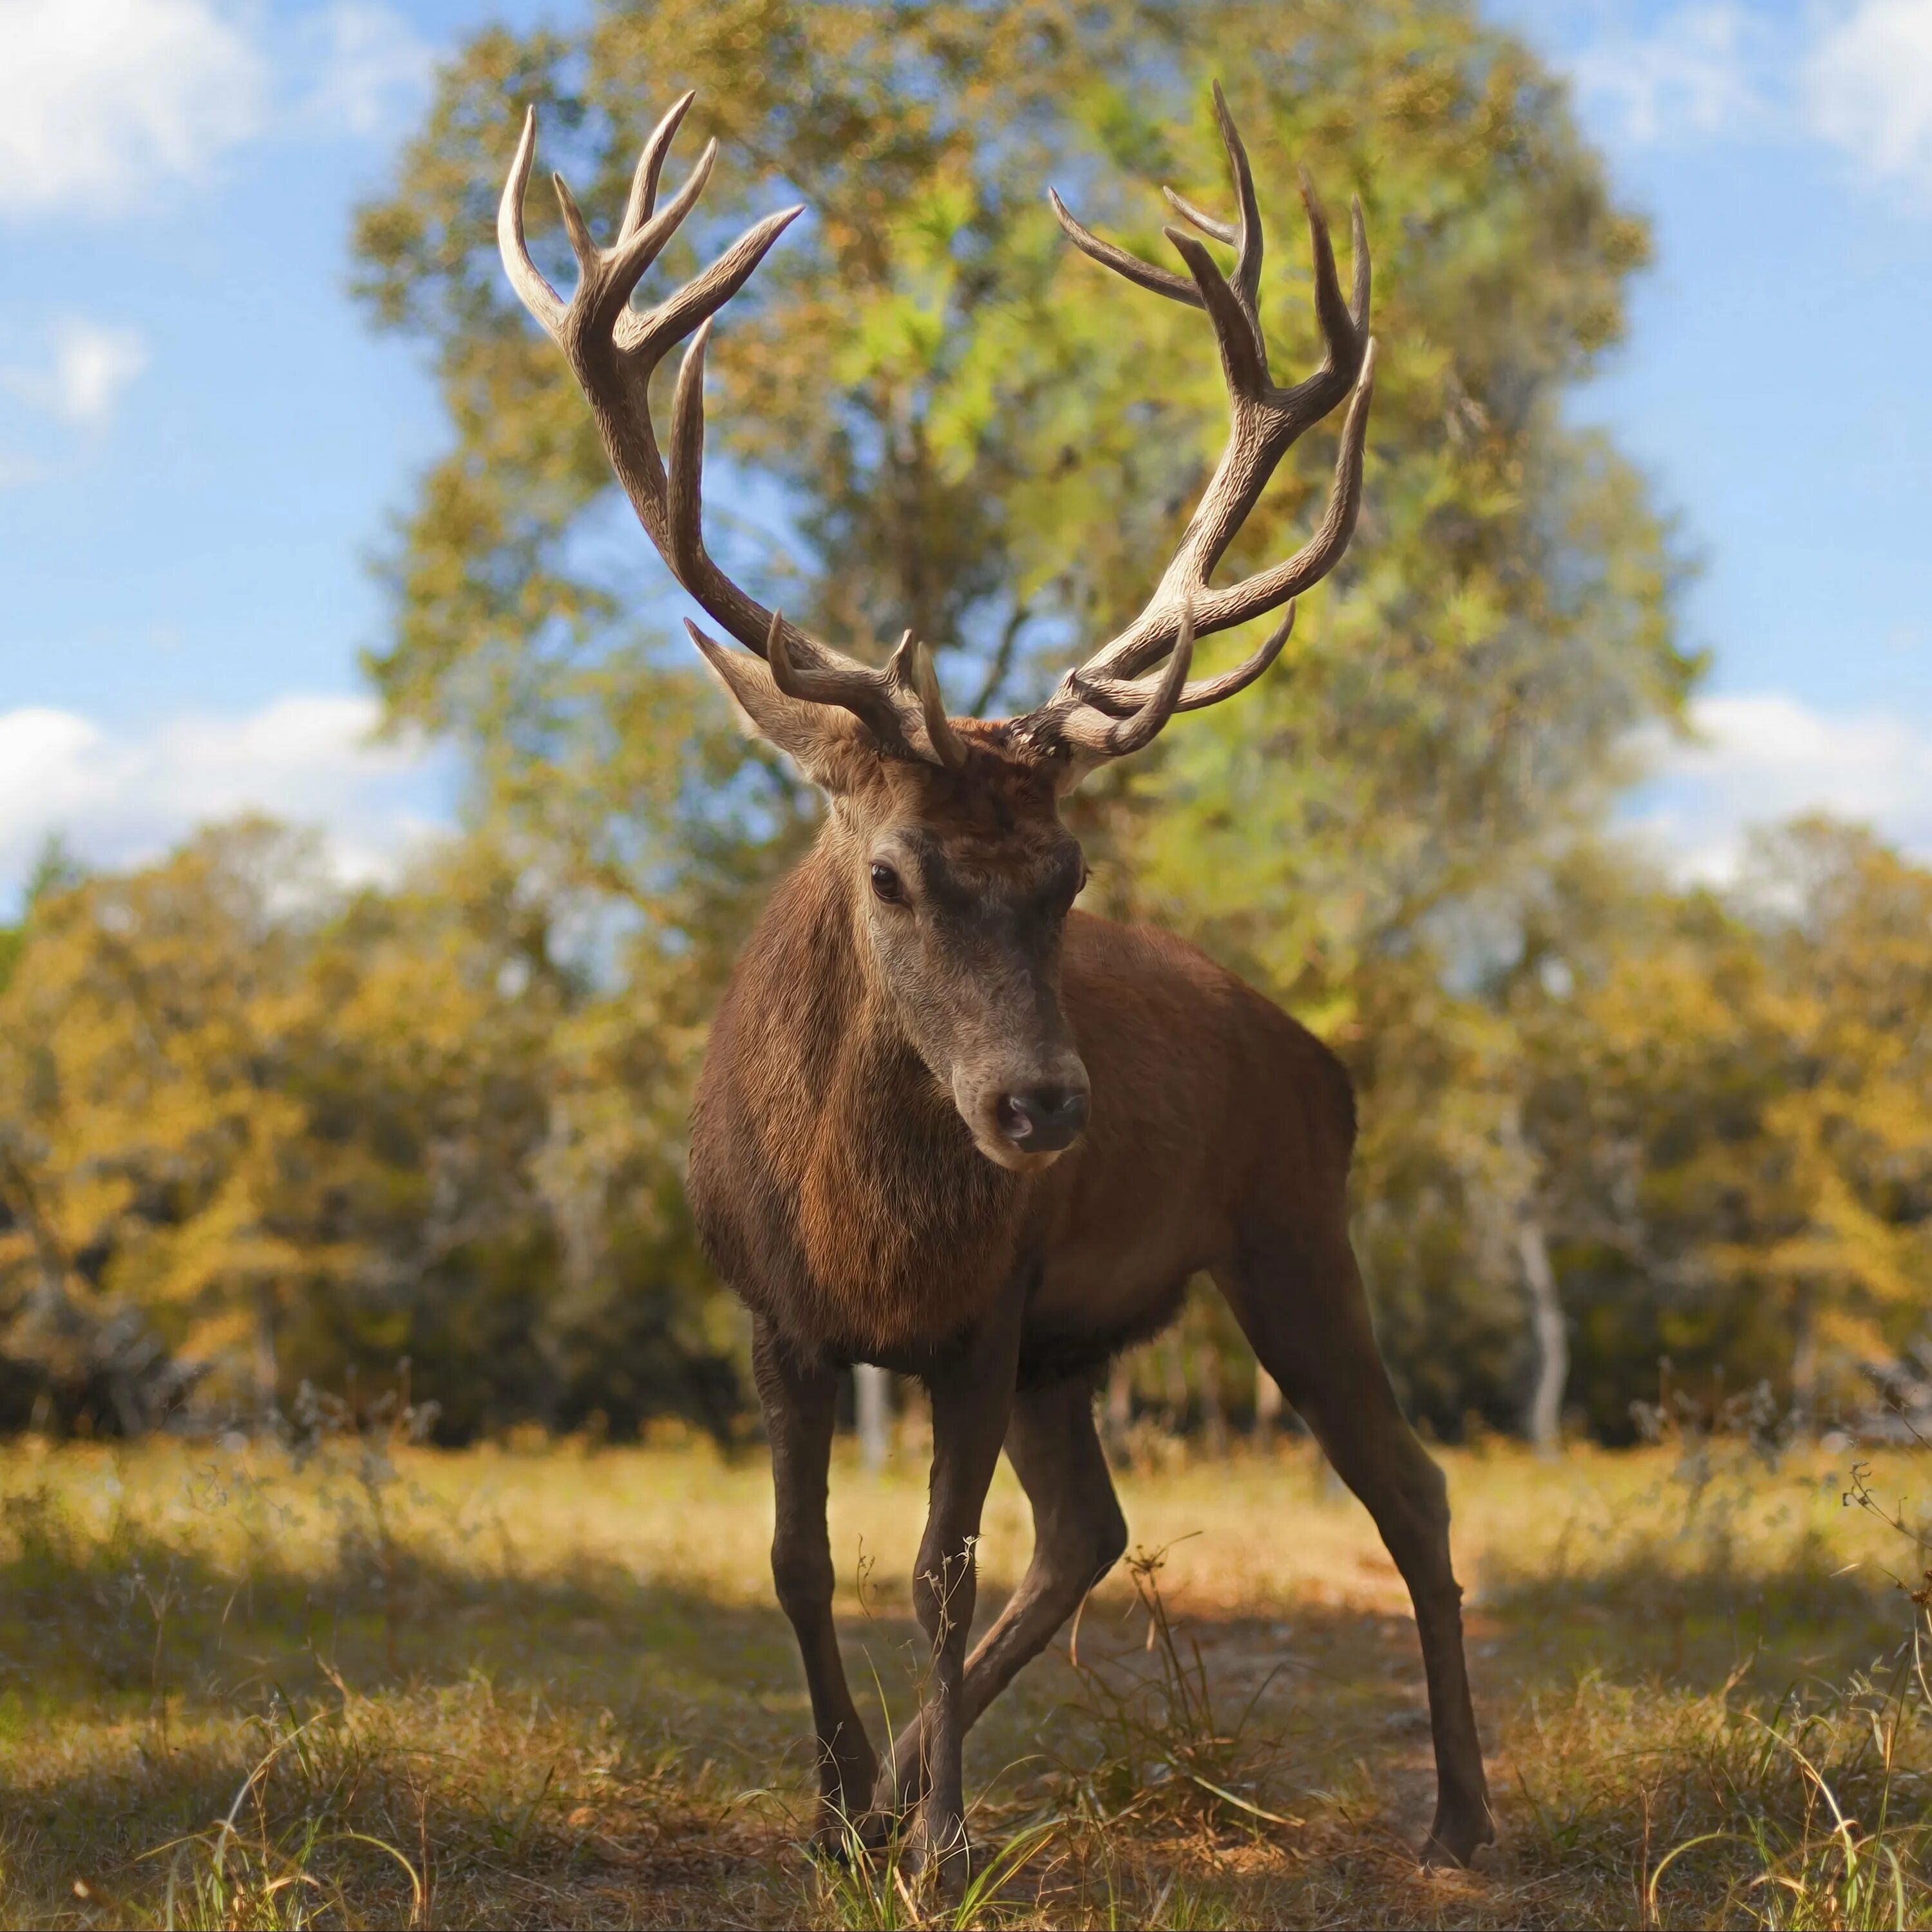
(951, 1125)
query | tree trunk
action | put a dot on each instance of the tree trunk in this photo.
(1173, 1367)
(1804, 1365)
(1545, 1419)
(268, 1369)
(1268, 1401)
(1213, 1418)
(872, 1391)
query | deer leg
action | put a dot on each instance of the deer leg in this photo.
(1078, 1535)
(798, 1398)
(1300, 1300)
(972, 1400)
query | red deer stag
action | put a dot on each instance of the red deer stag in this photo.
(950, 1126)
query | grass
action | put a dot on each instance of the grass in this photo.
(545, 1684)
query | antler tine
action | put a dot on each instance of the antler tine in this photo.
(589, 256)
(684, 483)
(1091, 730)
(911, 669)
(704, 294)
(1223, 231)
(1358, 248)
(1161, 281)
(1340, 330)
(535, 293)
(638, 248)
(1123, 696)
(1248, 243)
(683, 538)
(650, 166)
(945, 742)
(875, 698)
(1237, 330)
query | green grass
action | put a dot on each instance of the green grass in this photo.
(545, 1685)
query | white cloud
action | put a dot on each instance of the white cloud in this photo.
(90, 365)
(1697, 73)
(1767, 757)
(103, 97)
(107, 98)
(1867, 88)
(77, 381)
(368, 64)
(120, 798)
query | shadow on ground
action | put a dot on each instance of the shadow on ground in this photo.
(589, 1747)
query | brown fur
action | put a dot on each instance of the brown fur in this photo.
(843, 1180)
(839, 1191)
(887, 1162)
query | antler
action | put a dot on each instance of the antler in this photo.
(613, 349)
(1106, 694)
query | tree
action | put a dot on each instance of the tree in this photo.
(1726, 1103)
(931, 413)
(301, 1133)
(960, 426)
(1837, 1231)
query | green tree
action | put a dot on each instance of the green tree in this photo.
(930, 411)
(948, 420)
(1726, 1094)
(300, 1132)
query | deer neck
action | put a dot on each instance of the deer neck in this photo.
(904, 1229)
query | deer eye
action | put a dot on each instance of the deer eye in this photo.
(887, 884)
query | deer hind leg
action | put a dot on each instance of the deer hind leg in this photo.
(1300, 1299)
(799, 1399)
(1078, 1535)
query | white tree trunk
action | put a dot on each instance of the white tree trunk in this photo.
(872, 1389)
(1268, 1402)
(1213, 1418)
(1545, 1419)
(1174, 1374)
(267, 1365)
(1804, 1365)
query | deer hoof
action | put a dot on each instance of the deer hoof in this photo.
(940, 1855)
(1459, 1833)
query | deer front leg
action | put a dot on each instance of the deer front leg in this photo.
(1078, 1535)
(972, 1398)
(799, 1397)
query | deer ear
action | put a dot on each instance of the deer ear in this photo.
(827, 744)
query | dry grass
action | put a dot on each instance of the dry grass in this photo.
(543, 1685)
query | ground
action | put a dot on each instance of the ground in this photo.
(544, 1684)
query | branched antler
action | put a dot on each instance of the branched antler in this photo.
(613, 349)
(1264, 422)
(1107, 707)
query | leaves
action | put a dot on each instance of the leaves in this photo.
(449, 1118)
(318, 1131)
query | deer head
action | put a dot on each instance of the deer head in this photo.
(947, 830)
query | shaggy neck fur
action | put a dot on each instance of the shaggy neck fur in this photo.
(864, 1220)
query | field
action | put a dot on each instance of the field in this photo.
(545, 1684)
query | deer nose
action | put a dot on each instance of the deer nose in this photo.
(1044, 1120)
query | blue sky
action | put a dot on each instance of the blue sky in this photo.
(201, 442)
